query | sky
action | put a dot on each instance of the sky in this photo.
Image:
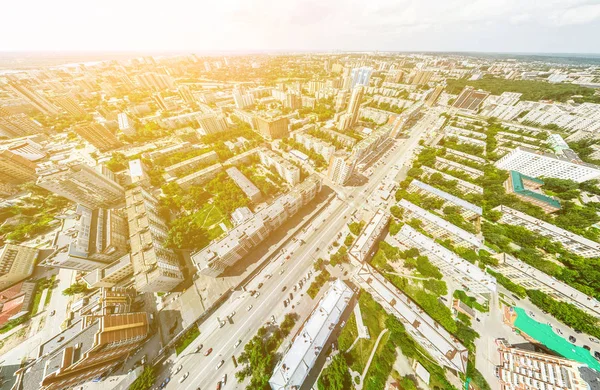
(516, 26)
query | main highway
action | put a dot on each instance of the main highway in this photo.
(249, 312)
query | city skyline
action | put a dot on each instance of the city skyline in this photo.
(300, 25)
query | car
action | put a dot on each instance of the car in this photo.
(291, 296)
(219, 384)
(559, 331)
(587, 347)
(260, 285)
(597, 355)
(53, 312)
(208, 351)
(593, 340)
(281, 272)
(577, 331)
(237, 343)
(184, 377)
(178, 369)
(256, 295)
(284, 288)
(549, 324)
(224, 379)
(220, 364)
(165, 382)
(285, 303)
(249, 308)
(572, 339)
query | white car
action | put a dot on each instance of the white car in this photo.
(220, 364)
(178, 369)
(184, 377)
(237, 343)
(249, 308)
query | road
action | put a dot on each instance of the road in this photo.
(285, 274)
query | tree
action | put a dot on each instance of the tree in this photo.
(75, 288)
(145, 381)
(336, 376)
(118, 162)
(186, 234)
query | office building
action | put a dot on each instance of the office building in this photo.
(538, 164)
(86, 351)
(439, 227)
(154, 81)
(365, 243)
(71, 106)
(360, 76)
(311, 340)
(341, 167)
(118, 271)
(249, 189)
(470, 99)
(155, 268)
(219, 255)
(91, 187)
(16, 169)
(533, 279)
(18, 125)
(98, 135)
(211, 124)
(528, 189)
(16, 264)
(443, 347)
(34, 98)
(98, 238)
(572, 242)
(522, 369)
(474, 279)
(272, 127)
(125, 124)
(288, 171)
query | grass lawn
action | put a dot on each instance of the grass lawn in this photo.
(208, 216)
(37, 296)
(187, 339)
(348, 334)
(50, 289)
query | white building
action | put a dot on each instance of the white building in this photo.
(288, 171)
(572, 242)
(369, 236)
(468, 210)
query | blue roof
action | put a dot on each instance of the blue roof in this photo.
(519, 188)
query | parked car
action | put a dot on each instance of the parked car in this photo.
(208, 351)
(237, 343)
(587, 347)
(249, 308)
(198, 348)
(184, 377)
(284, 288)
(220, 364)
(224, 379)
(572, 339)
(178, 369)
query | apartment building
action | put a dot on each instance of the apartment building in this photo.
(366, 149)
(572, 242)
(17, 263)
(160, 154)
(92, 187)
(365, 243)
(18, 125)
(468, 210)
(155, 267)
(533, 279)
(212, 123)
(537, 164)
(16, 169)
(249, 189)
(70, 105)
(315, 144)
(33, 97)
(174, 170)
(341, 167)
(463, 185)
(199, 177)
(97, 135)
(311, 339)
(443, 163)
(288, 171)
(125, 124)
(431, 336)
(470, 99)
(472, 278)
(85, 351)
(272, 127)
(112, 274)
(528, 189)
(439, 227)
(465, 156)
(219, 255)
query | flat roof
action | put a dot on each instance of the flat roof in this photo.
(449, 197)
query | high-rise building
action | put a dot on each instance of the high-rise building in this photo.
(16, 264)
(186, 94)
(341, 167)
(340, 100)
(98, 135)
(125, 125)
(17, 125)
(242, 99)
(91, 187)
(154, 81)
(160, 101)
(155, 267)
(211, 123)
(33, 97)
(293, 101)
(354, 105)
(90, 348)
(360, 76)
(16, 169)
(434, 95)
(470, 99)
(68, 104)
(522, 369)
(272, 127)
(421, 77)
